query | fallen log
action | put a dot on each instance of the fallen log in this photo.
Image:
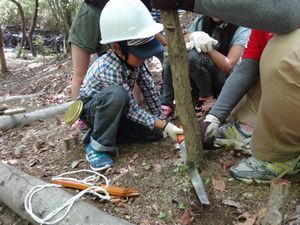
(15, 184)
(276, 206)
(17, 98)
(10, 121)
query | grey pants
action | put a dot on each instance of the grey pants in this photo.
(242, 78)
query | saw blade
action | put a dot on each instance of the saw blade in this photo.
(195, 177)
(198, 185)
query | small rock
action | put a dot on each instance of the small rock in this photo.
(127, 217)
(18, 152)
(147, 167)
(135, 174)
(247, 195)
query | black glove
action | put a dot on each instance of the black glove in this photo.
(173, 4)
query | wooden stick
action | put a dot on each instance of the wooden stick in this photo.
(179, 66)
(279, 192)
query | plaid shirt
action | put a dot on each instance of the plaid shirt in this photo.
(110, 70)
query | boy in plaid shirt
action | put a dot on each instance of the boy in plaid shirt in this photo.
(109, 106)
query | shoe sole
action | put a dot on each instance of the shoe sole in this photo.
(232, 144)
(258, 181)
(100, 168)
(250, 181)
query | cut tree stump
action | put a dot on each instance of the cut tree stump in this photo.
(10, 121)
(279, 192)
(15, 184)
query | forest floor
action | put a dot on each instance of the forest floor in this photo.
(167, 195)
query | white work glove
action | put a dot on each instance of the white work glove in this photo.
(189, 45)
(173, 131)
(211, 123)
(202, 41)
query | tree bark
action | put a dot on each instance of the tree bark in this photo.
(62, 13)
(23, 27)
(276, 206)
(4, 68)
(7, 122)
(33, 24)
(179, 66)
(16, 184)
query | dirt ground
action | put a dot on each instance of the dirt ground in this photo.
(167, 195)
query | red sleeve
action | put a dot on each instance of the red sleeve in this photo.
(256, 44)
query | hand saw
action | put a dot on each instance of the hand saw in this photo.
(193, 173)
(112, 190)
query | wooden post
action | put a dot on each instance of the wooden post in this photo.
(276, 206)
(182, 88)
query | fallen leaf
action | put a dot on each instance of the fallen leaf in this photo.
(218, 185)
(157, 167)
(133, 158)
(186, 217)
(261, 213)
(10, 161)
(227, 164)
(75, 164)
(169, 154)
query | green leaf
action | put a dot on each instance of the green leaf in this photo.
(162, 215)
(207, 180)
(181, 206)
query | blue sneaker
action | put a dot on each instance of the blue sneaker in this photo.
(98, 160)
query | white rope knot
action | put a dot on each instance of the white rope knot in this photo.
(98, 191)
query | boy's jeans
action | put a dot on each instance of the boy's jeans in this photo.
(105, 113)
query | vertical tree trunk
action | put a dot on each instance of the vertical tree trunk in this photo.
(33, 24)
(62, 12)
(179, 66)
(23, 27)
(4, 68)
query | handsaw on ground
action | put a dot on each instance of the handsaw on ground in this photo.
(112, 190)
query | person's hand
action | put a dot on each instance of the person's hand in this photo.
(173, 130)
(202, 41)
(189, 45)
(164, 4)
(209, 130)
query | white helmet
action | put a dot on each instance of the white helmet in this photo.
(122, 20)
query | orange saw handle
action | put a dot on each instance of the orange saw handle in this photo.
(112, 190)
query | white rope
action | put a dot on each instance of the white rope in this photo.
(96, 177)
(68, 204)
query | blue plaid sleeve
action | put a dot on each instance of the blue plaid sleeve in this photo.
(149, 91)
